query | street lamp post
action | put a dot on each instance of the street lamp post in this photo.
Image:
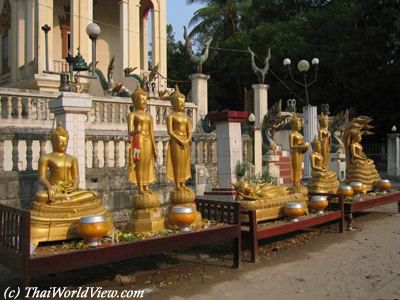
(309, 112)
(93, 30)
(76, 63)
(303, 66)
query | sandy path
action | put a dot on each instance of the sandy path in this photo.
(363, 264)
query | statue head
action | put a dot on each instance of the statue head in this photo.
(357, 136)
(177, 100)
(139, 98)
(316, 145)
(323, 121)
(295, 122)
(59, 138)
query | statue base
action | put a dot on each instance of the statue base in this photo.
(59, 221)
(273, 207)
(146, 220)
(146, 200)
(182, 196)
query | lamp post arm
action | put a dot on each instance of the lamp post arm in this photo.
(294, 80)
(316, 76)
(286, 86)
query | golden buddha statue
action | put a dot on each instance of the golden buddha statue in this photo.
(359, 167)
(298, 148)
(143, 146)
(263, 191)
(57, 209)
(179, 127)
(147, 214)
(322, 180)
(325, 137)
(267, 199)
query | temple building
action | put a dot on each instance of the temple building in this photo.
(134, 31)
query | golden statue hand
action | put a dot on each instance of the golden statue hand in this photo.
(51, 191)
(180, 142)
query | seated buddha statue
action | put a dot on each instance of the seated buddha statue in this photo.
(359, 167)
(57, 208)
(322, 180)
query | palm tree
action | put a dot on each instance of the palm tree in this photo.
(218, 18)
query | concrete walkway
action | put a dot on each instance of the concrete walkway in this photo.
(362, 264)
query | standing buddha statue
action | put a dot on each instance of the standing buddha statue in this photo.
(179, 127)
(147, 215)
(325, 138)
(298, 147)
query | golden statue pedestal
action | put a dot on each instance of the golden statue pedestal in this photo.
(59, 220)
(181, 196)
(147, 215)
(324, 182)
(364, 173)
(146, 220)
(270, 209)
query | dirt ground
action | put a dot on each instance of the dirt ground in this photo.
(315, 264)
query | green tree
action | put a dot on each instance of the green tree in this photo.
(179, 66)
(219, 18)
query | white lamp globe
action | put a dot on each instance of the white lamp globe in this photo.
(315, 61)
(93, 30)
(303, 65)
(286, 62)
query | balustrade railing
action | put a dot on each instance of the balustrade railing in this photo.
(19, 108)
(60, 66)
(112, 113)
(30, 109)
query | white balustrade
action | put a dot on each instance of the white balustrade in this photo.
(25, 109)
(60, 66)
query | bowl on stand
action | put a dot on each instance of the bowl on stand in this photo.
(383, 185)
(318, 204)
(293, 211)
(358, 189)
(345, 190)
(182, 216)
(92, 229)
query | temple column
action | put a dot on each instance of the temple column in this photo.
(29, 25)
(14, 41)
(134, 33)
(200, 93)
(81, 17)
(144, 42)
(162, 41)
(123, 35)
(70, 109)
(310, 132)
(260, 110)
(155, 36)
(43, 15)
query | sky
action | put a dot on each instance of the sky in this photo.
(179, 14)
